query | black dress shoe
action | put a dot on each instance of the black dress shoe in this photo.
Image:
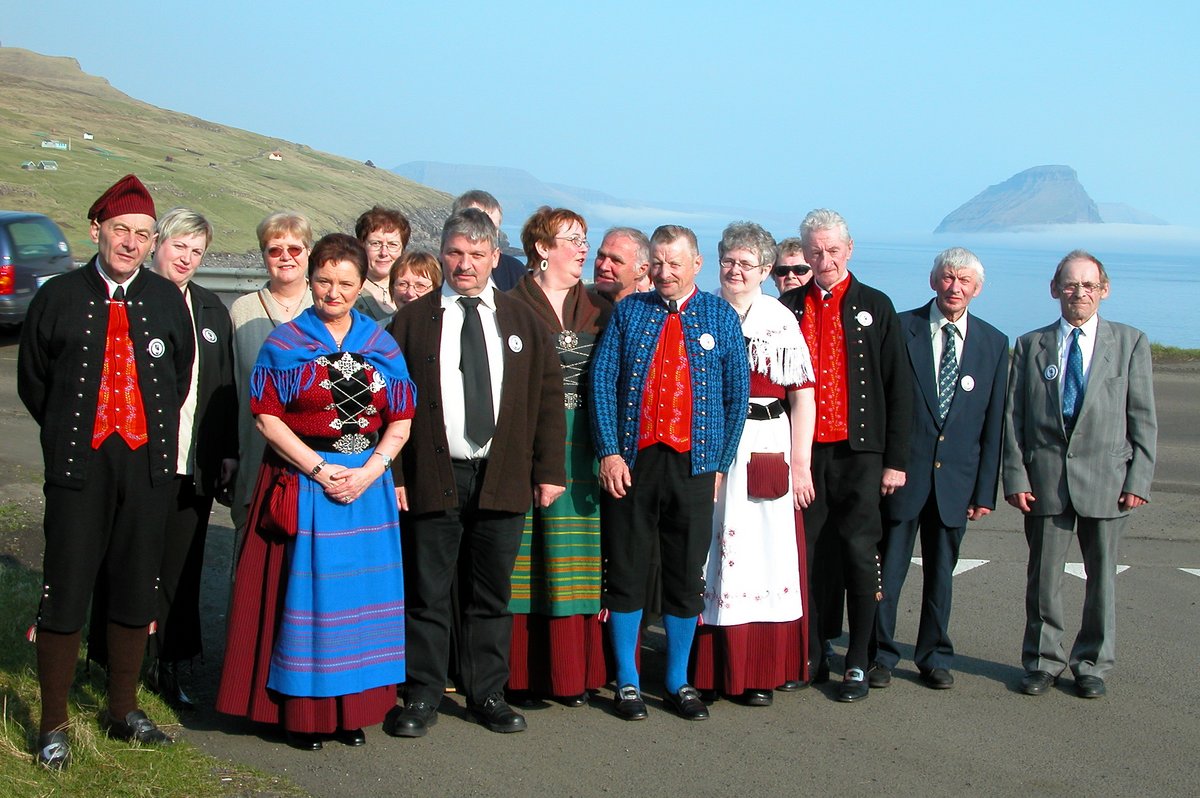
(879, 676)
(758, 698)
(686, 703)
(136, 727)
(629, 703)
(351, 737)
(791, 686)
(53, 750)
(1089, 686)
(498, 716)
(413, 720)
(937, 678)
(523, 698)
(304, 742)
(575, 700)
(853, 687)
(163, 679)
(1036, 682)
(822, 674)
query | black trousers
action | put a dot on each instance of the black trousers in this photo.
(111, 529)
(939, 555)
(482, 546)
(665, 502)
(847, 506)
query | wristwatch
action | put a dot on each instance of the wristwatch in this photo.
(387, 461)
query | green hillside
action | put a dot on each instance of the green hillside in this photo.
(223, 172)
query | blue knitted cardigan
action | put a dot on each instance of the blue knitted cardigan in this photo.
(719, 369)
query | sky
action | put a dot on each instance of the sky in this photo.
(892, 113)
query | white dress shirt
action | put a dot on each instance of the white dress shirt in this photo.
(936, 323)
(454, 407)
(1087, 345)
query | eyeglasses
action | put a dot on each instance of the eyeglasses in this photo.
(784, 271)
(744, 265)
(1075, 288)
(400, 286)
(393, 247)
(291, 249)
(579, 242)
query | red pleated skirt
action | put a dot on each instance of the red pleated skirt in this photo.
(755, 656)
(557, 656)
(258, 592)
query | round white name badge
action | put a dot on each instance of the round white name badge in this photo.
(1051, 372)
(515, 343)
(707, 341)
(864, 318)
(156, 347)
(967, 382)
(209, 335)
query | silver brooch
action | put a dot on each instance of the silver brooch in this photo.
(568, 339)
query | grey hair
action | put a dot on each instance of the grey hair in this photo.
(636, 236)
(751, 236)
(670, 233)
(823, 219)
(789, 246)
(475, 198)
(957, 258)
(473, 225)
(1080, 254)
(183, 222)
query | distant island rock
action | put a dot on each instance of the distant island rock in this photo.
(1037, 196)
(1120, 213)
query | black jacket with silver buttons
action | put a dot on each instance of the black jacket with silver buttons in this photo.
(62, 357)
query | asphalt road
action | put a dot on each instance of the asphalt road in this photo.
(981, 738)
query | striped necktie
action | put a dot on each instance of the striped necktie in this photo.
(947, 371)
(1073, 383)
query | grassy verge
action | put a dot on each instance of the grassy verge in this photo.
(1173, 354)
(101, 768)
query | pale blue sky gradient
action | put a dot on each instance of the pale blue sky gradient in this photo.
(893, 114)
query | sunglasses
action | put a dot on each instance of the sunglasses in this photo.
(277, 252)
(784, 271)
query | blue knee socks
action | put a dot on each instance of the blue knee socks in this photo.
(680, 632)
(624, 628)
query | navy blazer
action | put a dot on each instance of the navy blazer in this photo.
(958, 460)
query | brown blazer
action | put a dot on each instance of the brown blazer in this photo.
(529, 447)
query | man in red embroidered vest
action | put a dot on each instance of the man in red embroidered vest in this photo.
(105, 363)
(671, 386)
(864, 418)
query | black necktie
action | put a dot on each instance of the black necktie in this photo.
(477, 377)
(672, 306)
(119, 294)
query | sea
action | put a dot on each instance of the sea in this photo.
(1154, 274)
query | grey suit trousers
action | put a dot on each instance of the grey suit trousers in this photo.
(1049, 537)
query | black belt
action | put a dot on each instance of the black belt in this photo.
(351, 443)
(765, 412)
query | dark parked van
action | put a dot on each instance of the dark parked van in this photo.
(32, 250)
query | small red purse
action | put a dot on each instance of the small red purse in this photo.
(280, 515)
(767, 475)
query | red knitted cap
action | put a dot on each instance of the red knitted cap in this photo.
(127, 195)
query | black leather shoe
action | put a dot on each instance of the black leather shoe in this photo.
(687, 703)
(1089, 686)
(351, 737)
(936, 678)
(304, 742)
(135, 727)
(498, 716)
(629, 703)
(413, 720)
(791, 686)
(878, 676)
(523, 698)
(822, 674)
(163, 679)
(575, 700)
(1036, 682)
(53, 750)
(853, 687)
(758, 698)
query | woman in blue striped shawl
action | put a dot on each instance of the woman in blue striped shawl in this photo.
(316, 631)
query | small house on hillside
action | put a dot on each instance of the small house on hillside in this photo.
(275, 155)
(53, 144)
(48, 166)
(28, 165)
(87, 136)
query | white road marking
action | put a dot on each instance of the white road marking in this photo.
(962, 567)
(1077, 569)
(1192, 571)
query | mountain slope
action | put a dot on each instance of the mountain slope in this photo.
(1036, 196)
(223, 172)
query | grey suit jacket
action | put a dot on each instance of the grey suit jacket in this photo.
(1112, 448)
